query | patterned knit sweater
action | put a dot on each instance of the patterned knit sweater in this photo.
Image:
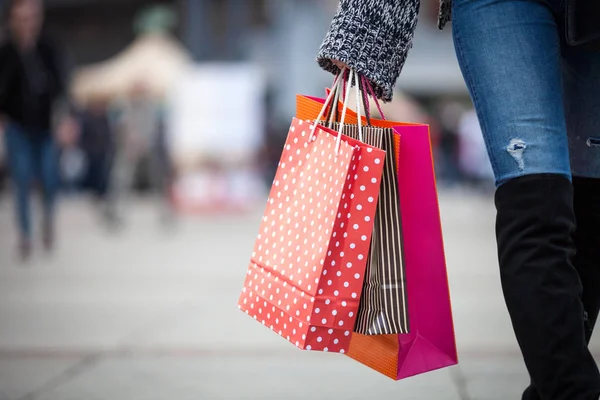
(373, 37)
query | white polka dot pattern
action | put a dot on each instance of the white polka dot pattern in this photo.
(307, 269)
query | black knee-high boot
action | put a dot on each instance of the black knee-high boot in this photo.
(534, 228)
(586, 201)
(587, 242)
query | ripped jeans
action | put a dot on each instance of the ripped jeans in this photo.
(537, 99)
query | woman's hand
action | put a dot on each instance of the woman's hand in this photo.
(340, 64)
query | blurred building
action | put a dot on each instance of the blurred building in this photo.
(431, 68)
(95, 30)
(282, 36)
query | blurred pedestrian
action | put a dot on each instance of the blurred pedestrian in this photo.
(449, 114)
(537, 97)
(32, 86)
(141, 136)
(98, 143)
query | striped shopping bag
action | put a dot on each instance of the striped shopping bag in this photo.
(384, 302)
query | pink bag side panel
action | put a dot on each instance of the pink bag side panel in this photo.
(431, 344)
(317, 99)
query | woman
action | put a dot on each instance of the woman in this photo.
(31, 85)
(538, 102)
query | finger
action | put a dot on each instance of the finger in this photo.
(339, 64)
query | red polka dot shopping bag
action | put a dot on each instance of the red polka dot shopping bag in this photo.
(306, 273)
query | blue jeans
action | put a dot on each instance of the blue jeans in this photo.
(537, 99)
(30, 159)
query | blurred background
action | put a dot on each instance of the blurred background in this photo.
(192, 65)
(178, 113)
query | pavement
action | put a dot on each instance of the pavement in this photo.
(150, 314)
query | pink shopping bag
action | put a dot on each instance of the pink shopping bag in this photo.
(431, 344)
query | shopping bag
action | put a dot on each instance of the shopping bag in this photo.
(431, 342)
(383, 308)
(307, 267)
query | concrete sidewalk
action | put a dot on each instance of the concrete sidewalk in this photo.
(148, 314)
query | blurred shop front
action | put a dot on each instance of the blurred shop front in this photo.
(95, 30)
(226, 73)
(280, 36)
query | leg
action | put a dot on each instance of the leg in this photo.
(587, 242)
(92, 179)
(47, 157)
(108, 188)
(20, 162)
(581, 85)
(103, 176)
(581, 95)
(160, 178)
(120, 183)
(509, 53)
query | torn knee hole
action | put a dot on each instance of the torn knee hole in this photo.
(516, 148)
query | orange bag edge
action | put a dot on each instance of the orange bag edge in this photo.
(377, 352)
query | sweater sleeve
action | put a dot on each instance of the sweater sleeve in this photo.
(373, 37)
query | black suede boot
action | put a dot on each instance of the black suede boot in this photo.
(587, 242)
(586, 201)
(534, 228)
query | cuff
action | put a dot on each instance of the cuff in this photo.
(371, 49)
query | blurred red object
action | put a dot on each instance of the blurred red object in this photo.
(67, 131)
